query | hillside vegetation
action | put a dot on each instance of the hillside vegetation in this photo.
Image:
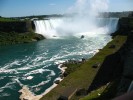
(14, 31)
(101, 77)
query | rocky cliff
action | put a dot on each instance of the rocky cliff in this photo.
(127, 67)
(13, 32)
(117, 68)
(125, 27)
(16, 26)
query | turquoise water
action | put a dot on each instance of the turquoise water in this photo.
(36, 64)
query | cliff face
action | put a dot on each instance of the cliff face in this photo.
(16, 26)
(13, 32)
(117, 67)
(125, 25)
(127, 58)
(128, 65)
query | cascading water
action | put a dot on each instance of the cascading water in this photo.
(36, 64)
(67, 27)
(47, 27)
(84, 21)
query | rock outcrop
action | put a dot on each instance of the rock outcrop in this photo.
(127, 75)
(16, 26)
(13, 32)
(125, 26)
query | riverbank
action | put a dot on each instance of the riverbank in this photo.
(14, 31)
(99, 76)
(16, 38)
(28, 95)
(120, 84)
(82, 78)
(104, 75)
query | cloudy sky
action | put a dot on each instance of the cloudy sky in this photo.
(10, 8)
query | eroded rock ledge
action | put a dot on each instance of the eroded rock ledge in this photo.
(14, 32)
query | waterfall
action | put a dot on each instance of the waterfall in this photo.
(112, 25)
(47, 27)
(108, 23)
(54, 28)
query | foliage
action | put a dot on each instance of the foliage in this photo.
(8, 19)
(83, 76)
(14, 38)
(72, 67)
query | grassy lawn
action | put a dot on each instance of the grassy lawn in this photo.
(83, 76)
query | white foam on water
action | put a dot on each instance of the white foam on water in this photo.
(37, 59)
(4, 94)
(29, 78)
(17, 80)
(9, 65)
(54, 85)
(9, 71)
(27, 94)
(1, 90)
(52, 73)
(40, 84)
(40, 71)
(60, 29)
(23, 68)
(1, 78)
(8, 85)
(35, 72)
(94, 52)
(62, 68)
(59, 62)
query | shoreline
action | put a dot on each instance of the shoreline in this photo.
(28, 95)
(86, 69)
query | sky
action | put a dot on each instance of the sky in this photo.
(16, 8)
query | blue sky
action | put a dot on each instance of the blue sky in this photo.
(10, 8)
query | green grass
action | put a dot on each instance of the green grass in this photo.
(71, 67)
(83, 76)
(107, 92)
(95, 94)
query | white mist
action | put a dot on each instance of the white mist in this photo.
(85, 21)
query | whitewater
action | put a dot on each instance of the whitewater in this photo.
(35, 65)
(67, 27)
(32, 68)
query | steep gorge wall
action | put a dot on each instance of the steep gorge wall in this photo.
(127, 67)
(14, 32)
(125, 27)
(16, 26)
